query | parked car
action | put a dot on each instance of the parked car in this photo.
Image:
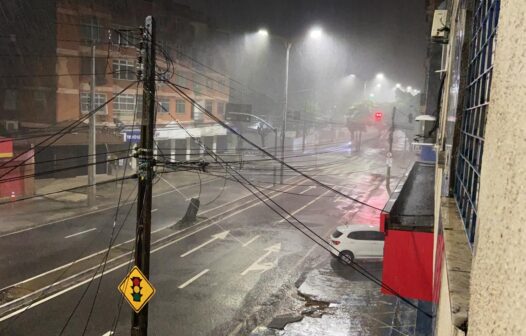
(358, 241)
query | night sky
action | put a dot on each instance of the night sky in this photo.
(382, 35)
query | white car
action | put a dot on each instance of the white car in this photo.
(358, 241)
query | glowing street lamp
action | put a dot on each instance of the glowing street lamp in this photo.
(380, 76)
(263, 32)
(316, 32)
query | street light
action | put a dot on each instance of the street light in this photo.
(263, 32)
(380, 76)
(315, 33)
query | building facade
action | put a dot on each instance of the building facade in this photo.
(479, 191)
(51, 51)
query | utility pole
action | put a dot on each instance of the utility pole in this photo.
(145, 170)
(389, 159)
(285, 108)
(92, 144)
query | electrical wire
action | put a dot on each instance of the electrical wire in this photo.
(60, 133)
(110, 243)
(322, 242)
(222, 123)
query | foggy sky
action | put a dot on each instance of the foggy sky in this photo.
(383, 35)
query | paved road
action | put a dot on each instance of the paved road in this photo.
(200, 291)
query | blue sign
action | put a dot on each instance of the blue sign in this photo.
(133, 136)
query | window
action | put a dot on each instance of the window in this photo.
(10, 100)
(221, 109)
(123, 69)
(180, 80)
(164, 105)
(197, 88)
(124, 105)
(85, 102)
(474, 114)
(209, 84)
(86, 67)
(197, 113)
(126, 36)
(209, 105)
(337, 234)
(221, 83)
(366, 235)
(91, 29)
(180, 106)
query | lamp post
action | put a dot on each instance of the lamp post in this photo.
(285, 108)
(314, 33)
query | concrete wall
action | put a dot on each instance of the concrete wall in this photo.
(498, 293)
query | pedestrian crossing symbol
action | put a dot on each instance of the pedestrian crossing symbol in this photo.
(136, 289)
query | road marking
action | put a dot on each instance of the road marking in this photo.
(215, 237)
(256, 266)
(36, 303)
(154, 210)
(79, 233)
(175, 188)
(194, 278)
(18, 284)
(250, 241)
(94, 211)
(303, 207)
(108, 333)
(309, 188)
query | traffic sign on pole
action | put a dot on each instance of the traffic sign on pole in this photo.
(136, 289)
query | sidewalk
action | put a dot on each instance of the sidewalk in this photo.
(332, 300)
(45, 209)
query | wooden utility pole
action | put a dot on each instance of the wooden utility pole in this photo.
(145, 170)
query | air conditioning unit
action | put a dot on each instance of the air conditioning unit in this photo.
(11, 125)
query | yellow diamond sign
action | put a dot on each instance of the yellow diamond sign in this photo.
(136, 289)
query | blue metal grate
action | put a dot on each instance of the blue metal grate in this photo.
(471, 144)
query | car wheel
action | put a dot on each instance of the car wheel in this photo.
(347, 256)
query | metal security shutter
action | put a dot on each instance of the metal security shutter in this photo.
(471, 145)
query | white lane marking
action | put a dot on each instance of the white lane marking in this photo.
(303, 207)
(108, 333)
(215, 237)
(194, 278)
(125, 242)
(123, 255)
(256, 266)
(250, 241)
(93, 212)
(174, 188)
(79, 233)
(309, 188)
(37, 303)
(154, 210)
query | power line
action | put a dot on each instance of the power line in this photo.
(69, 189)
(60, 133)
(22, 177)
(323, 244)
(222, 123)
